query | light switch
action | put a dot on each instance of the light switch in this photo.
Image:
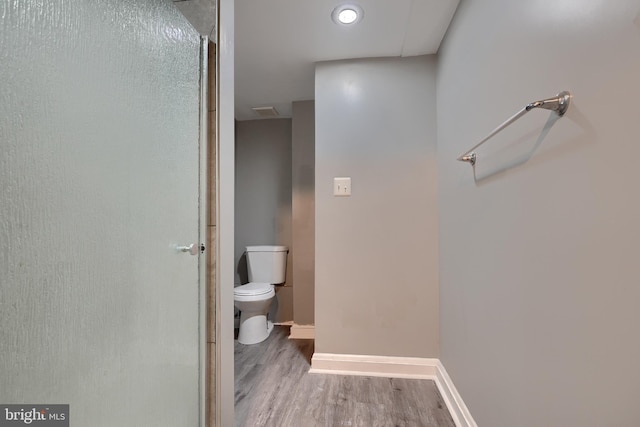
(342, 186)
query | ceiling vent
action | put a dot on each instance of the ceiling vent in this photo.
(266, 111)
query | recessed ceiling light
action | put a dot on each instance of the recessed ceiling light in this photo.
(347, 14)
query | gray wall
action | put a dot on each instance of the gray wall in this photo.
(376, 251)
(263, 197)
(538, 257)
(303, 211)
(201, 14)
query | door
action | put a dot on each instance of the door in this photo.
(99, 128)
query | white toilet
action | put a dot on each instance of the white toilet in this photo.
(266, 266)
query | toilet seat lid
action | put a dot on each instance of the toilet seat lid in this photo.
(253, 288)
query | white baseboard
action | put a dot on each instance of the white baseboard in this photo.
(374, 366)
(457, 408)
(302, 332)
(287, 323)
(397, 367)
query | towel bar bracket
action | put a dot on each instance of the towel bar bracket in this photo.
(471, 158)
(559, 104)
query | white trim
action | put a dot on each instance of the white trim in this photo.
(457, 408)
(225, 187)
(397, 367)
(287, 323)
(374, 366)
(202, 227)
(302, 332)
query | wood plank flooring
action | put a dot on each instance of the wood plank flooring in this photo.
(273, 388)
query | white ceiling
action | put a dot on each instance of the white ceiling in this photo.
(277, 43)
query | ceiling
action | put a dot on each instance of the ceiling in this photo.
(278, 42)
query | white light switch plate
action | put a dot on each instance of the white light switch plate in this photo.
(341, 186)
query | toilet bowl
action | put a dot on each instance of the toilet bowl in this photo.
(253, 300)
(266, 266)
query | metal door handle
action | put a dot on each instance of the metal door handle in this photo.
(193, 249)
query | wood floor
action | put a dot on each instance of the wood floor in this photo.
(273, 388)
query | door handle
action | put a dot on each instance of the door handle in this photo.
(193, 248)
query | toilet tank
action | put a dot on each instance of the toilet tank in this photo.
(267, 264)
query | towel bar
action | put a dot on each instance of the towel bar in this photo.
(559, 104)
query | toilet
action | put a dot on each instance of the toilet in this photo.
(266, 266)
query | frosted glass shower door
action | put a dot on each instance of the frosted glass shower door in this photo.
(99, 155)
